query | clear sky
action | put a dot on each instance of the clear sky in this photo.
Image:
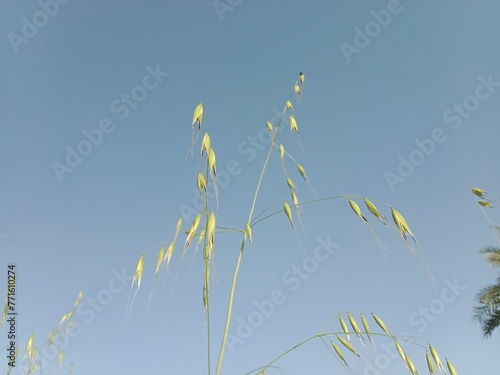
(400, 104)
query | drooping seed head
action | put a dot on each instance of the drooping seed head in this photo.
(295, 200)
(366, 327)
(344, 326)
(411, 366)
(436, 358)
(248, 232)
(381, 324)
(211, 162)
(348, 345)
(289, 105)
(178, 228)
(479, 192)
(293, 125)
(356, 209)
(288, 213)
(282, 152)
(211, 232)
(290, 184)
(302, 171)
(451, 368)
(138, 272)
(159, 259)
(269, 127)
(339, 353)
(78, 298)
(374, 211)
(484, 204)
(202, 182)
(30, 349)
(198, 115)
(192, 231)
(297, 90)
(401, 353)
(205, 143)
(430, 363)
(354, 325)
(301, 78)
(401, 224)
(169, 252)
(60, 358)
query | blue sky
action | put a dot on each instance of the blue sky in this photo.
(401, 109)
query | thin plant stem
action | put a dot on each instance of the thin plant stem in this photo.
(238, 262)
(230, 308)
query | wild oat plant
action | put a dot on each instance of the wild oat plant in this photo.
(350, 342)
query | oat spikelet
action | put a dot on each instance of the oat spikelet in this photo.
(60, 358)
(201, 183)
(430, 363)
(348, 345)
(295, 200)
(138, 272)
(293, 125)
(211, 162)
(159, 261)
(302, 171)
(282, 152)
(381, 324)
(478, 192)
(366, 327)
(289, 105)
(248, 232)
(402, 225)
(4, 313)
(290, 184)
(137, 277)
(344, 327)
(205, 143)
(374, 211)
(451, 368)
(198, 115)
(339, 353)
(178, 228)
(402, 354)
(192, 232)
(297, 90)
(411, 366)
(354, 326)
(210, 234)
(169, 252)
(301, 78)
(436, 358)
(30, 349)
(288, 213)
(484, 204)
(269, 127)
(356, 209)
(78, 298)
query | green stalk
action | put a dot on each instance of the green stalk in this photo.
(238, 262)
